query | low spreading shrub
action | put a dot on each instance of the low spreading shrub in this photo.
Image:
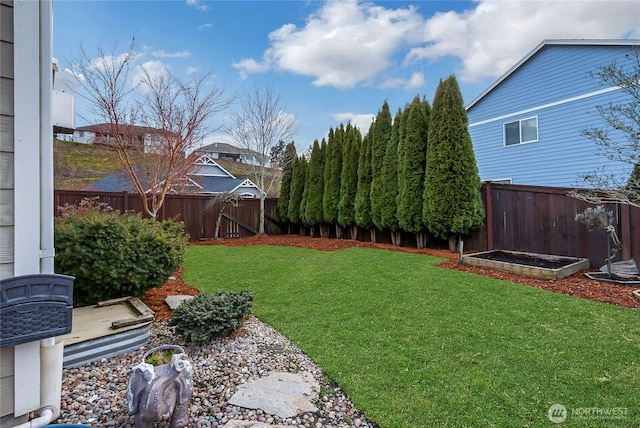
(208, 316)
(115, 255)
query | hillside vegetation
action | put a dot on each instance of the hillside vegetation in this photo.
(77, 165)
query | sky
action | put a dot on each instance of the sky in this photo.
(330, 62)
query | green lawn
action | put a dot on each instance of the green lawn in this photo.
(415, 345)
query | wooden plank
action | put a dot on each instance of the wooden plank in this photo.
(240, 223)
(112, 302)
(137, 304)
(133, 321)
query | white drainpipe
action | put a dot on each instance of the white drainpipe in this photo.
(51, 353)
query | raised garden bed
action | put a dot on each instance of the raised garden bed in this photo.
(542, 266)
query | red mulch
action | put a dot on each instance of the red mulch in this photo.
(575, 285)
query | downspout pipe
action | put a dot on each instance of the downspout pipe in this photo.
(51, 353)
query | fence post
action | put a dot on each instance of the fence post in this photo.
(489, 213)
(625, 230)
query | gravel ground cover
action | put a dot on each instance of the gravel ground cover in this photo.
(94, 394)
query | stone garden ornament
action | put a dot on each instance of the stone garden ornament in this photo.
(161, 393)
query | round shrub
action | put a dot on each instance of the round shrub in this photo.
(208, 316)
(115, 255)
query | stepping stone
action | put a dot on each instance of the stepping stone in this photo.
(175, 301)
(279, 393)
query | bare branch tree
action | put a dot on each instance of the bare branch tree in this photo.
(619, 141)
(258, 124)
(219, 203)
(153, 133)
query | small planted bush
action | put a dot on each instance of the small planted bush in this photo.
(208, 316)
(115, 255)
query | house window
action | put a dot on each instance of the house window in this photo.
(521, 131)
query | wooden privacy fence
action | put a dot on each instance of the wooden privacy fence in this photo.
(542, 220)
(520, 218)
(238, 221)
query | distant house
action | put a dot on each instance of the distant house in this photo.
(206, 177)
(226, 151)
(139, 137)
(526, 127)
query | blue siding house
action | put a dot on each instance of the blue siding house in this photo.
(206, 177)
(526, 127)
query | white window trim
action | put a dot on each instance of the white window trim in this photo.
(504, 132)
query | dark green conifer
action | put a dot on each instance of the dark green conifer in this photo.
(379, 142)
(349, 178)
(288, 159)
(389, 183)
(332, 175)
(363, 192)
(297, 189)
(411, 175)
(452, 202)
(313, 211)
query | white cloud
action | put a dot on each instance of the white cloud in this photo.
(197, 5)
(153, 68)
(248, 66)
(68, 81)
(495, 35)
(162, 54)
(193, 70)
(344, 43)
(205, 26)
(361, 120)
(416, 80)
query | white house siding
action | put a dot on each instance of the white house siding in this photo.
(554, 85)
(6, 194)
(25, 121)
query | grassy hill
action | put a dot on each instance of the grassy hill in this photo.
(78, 165)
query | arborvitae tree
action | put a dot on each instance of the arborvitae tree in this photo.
(288, 159)
(313, 211)
(379, 141)
(305, 196)
(297, 189)
(349, 179)
(333, 172)
(452, 203)
(402, 114)
(363, 192)
(411, 174)
(389, 184)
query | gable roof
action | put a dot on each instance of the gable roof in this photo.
(120, 181)
(211, 184)
(226, 149)
(551, 42)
